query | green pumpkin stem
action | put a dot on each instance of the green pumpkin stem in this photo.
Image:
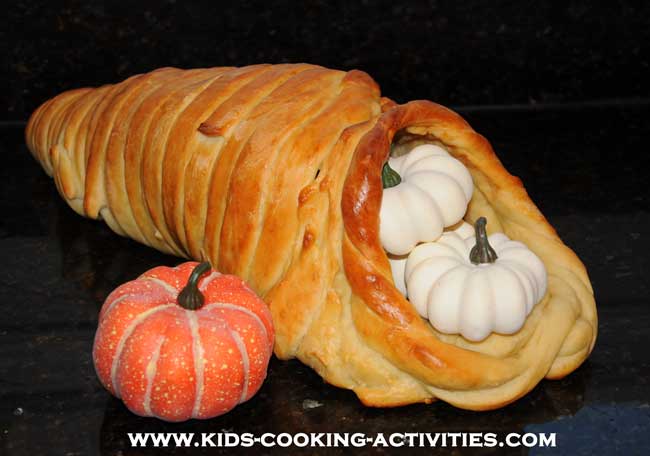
(482, 252)
(190, 297)
(390, 177)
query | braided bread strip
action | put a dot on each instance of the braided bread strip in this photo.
(272, 172)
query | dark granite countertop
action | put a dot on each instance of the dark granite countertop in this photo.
(585, 167)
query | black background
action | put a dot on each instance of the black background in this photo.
(457, 53)
(560, 88)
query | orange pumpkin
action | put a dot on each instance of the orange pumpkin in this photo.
(177, 343)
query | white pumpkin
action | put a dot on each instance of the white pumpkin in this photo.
(495, 293)
(397, 267)
(429, 191)
(398, 263)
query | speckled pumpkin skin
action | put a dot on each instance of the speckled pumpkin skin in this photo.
(175, 364)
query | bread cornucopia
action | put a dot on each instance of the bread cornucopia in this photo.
(274, 173)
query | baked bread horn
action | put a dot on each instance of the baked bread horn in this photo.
(273, 173)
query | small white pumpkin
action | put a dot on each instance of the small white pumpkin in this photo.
(397, 267)
(474, 285)
(425, 190)
(398, 263)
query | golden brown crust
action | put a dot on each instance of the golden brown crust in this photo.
(272, 172)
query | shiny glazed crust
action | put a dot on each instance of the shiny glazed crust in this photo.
(273, 173)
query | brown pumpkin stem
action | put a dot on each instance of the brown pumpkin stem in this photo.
(482, 252)
(190, 297)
